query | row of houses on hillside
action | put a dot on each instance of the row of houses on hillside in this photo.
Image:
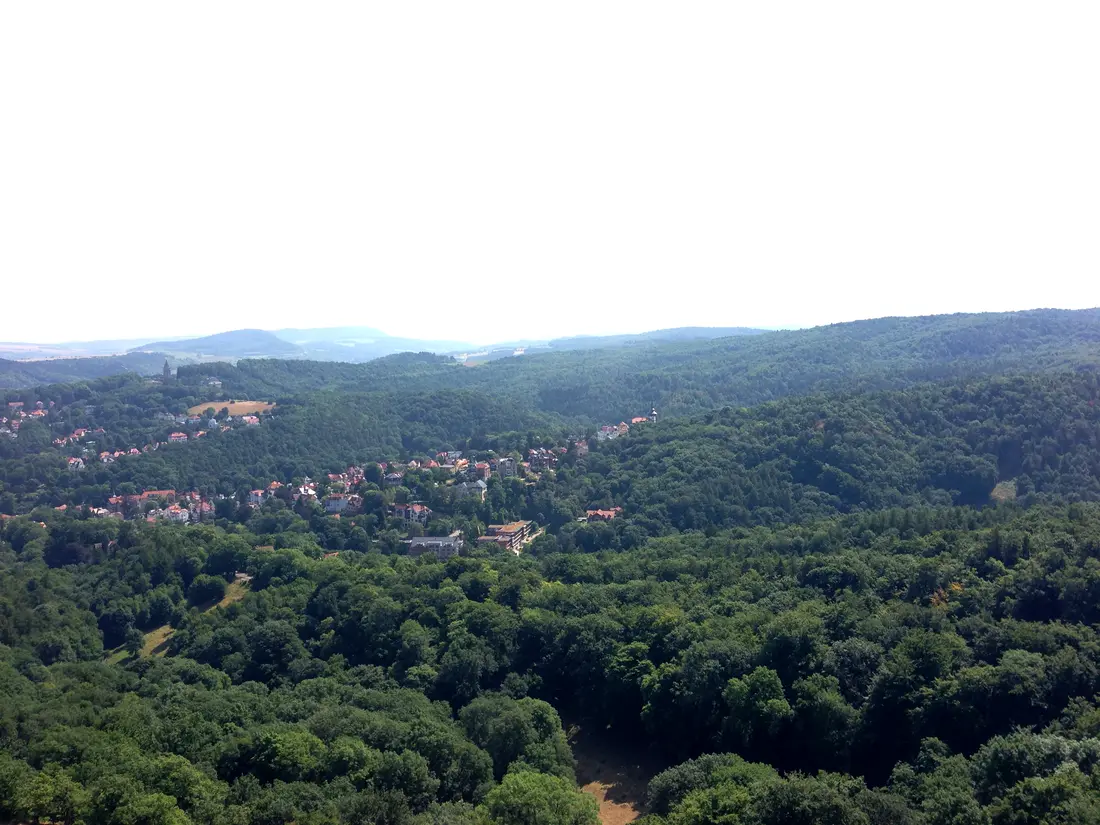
(154, 505)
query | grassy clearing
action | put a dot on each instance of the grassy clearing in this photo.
(156, 641)
(234, 593)
(116, 656)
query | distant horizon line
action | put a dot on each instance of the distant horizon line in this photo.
(137, 341)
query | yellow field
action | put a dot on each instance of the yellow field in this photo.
(235, 407)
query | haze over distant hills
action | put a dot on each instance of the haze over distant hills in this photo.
(676, 334)
(239, 343)
(358, 344)
(349, 344)
(361, 344)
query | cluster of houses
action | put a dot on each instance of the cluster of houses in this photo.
(16, 415)
(470, 481)
(180, 508)
(610, 431)
(179, 437)
(79, 434)
(470, 478)
(339, 499)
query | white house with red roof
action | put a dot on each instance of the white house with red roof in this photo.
(413, 513)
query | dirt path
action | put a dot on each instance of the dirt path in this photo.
(615, 775)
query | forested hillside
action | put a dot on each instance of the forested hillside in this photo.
(14, 374)
(378, 687)
(803, 458)
(850, 575)
(680, 378)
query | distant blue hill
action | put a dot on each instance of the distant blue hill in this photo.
(239, 343)
(660, 335)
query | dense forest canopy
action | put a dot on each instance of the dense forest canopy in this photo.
(850, 575)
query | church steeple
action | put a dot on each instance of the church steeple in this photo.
(653, 414)
(167, 371)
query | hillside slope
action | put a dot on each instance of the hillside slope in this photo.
(812, 457)
(238, 343)
(15, 374)
(617, 383)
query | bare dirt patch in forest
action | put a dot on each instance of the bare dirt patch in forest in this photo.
(616, 775)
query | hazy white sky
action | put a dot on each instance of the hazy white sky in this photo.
(497, 170)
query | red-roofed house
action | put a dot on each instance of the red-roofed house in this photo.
(178, 514)
(178, 438)
(167, 495)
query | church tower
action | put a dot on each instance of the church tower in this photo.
(653, 415)
(167, 372)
